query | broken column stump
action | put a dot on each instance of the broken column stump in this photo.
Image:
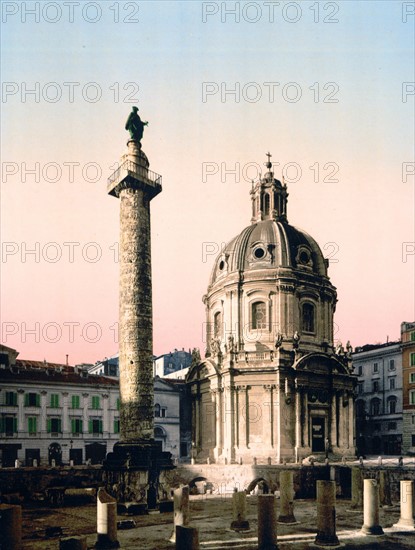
(326, 514)
(371, 508)
(267, 523)
(181, 508)
(187, 538)
(287, 498)
(10, 527)
(239, 521)
(406, 521)
(106, 520)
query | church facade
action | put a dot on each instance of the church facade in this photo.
(272, 384)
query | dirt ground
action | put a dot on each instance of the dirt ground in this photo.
(213, 516)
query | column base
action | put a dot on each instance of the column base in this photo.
(375, 530)
(104, 542)
(287, 520)
(326, 540)
(404, 525)
(240, 526)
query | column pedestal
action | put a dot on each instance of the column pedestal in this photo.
(131, 474)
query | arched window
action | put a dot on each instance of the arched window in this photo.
(308, 323)
(159, 432)
(259, 315)
(157, 409)
(217, 324)
(392, 404)
(375, 407)
(266, 204)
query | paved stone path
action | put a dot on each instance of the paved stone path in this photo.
(213, 516)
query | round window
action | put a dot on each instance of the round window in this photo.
(221, 265)
(304, 257)
(259, 253)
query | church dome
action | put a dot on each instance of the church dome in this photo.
(270, 244)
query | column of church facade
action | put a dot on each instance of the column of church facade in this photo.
(306, 420)
(298, 425)
(351, 423)
(333, 420)
(237, 417)
(343, 420)
(229, 416)
(279, 397)
(197, 401)
(268, 415)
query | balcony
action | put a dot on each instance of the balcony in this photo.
(253, 356)
(130, 174)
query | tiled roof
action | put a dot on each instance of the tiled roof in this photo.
(39, 371)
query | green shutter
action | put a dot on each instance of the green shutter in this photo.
(81, 426)
(37, 400)
(54, 400)
(73, 425)
(26, 400)
(32, 421)
(118, 404)
(14, 398)
(90, 428)
(29, 424)
(412, 359)
(49, 425)
(100, 427)
(1, 424)
(14, 425)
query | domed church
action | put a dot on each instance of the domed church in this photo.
(271, 385)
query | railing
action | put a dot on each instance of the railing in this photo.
(142, 173)
(254, 356)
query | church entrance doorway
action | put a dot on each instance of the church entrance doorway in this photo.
(317, 434)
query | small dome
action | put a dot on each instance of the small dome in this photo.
(270, 244)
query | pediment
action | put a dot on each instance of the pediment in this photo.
(205, 369)
(320, 363)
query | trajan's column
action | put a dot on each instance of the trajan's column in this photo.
(137, 453)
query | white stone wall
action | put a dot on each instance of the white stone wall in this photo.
(42, 438)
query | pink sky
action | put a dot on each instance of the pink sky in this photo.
(67, 294)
